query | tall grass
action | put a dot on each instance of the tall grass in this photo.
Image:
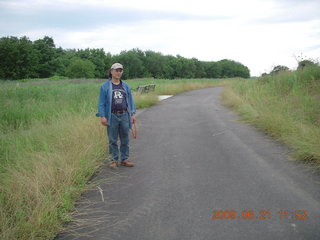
(145, 100)
(22, 104)
(51, 167)
(285, 105)
(50, 144)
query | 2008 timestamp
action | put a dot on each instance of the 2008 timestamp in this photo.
(259, 214)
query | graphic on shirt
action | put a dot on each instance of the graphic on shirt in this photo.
(118, 97)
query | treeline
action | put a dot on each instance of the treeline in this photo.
(22, 58)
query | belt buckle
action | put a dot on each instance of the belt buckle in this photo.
(119, 111)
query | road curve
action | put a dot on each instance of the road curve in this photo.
(200, 174)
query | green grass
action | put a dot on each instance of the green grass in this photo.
(284, 105)
(21, 105)
(50, 144)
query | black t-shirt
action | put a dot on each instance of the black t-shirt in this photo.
(118, 97)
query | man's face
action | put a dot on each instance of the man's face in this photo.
(117, 73)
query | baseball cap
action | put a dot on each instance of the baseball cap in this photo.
(116, 66)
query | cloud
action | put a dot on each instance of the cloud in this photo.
(70, 16)
(257, 33)
(314, 47)
(292, 11)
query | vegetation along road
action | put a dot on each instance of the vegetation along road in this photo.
(200, 174)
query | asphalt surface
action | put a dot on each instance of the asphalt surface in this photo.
(196, 166)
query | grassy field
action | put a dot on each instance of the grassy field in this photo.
(51, 143)
(285, 105)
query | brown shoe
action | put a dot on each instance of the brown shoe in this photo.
(113, 164)
(126, 163)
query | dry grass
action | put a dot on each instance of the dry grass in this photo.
(37, 189)
(285, 106)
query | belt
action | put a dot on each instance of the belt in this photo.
(119, 111)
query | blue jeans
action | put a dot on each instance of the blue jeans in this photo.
(119, 128)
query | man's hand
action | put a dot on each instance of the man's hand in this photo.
(133, 118)
(104, 121)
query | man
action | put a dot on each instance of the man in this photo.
(117, 111)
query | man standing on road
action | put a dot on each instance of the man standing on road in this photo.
(117, 111)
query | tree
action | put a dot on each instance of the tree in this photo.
(154, 64)
(18, 58)
(168, 71)
(97, 57)
(60, 62)
(47, 54)
(278, 69)
(306, 63)
(132, 60)
(199, 68)
(230, 68)
(212, 69)
(227, 68)
(80, 68)
(187, 67)
(22, 58)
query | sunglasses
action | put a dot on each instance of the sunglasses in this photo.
(119, 70)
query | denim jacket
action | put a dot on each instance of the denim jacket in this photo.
(105, 101)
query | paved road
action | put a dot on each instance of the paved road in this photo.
(194, 158)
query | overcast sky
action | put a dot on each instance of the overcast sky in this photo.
(258, 33)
